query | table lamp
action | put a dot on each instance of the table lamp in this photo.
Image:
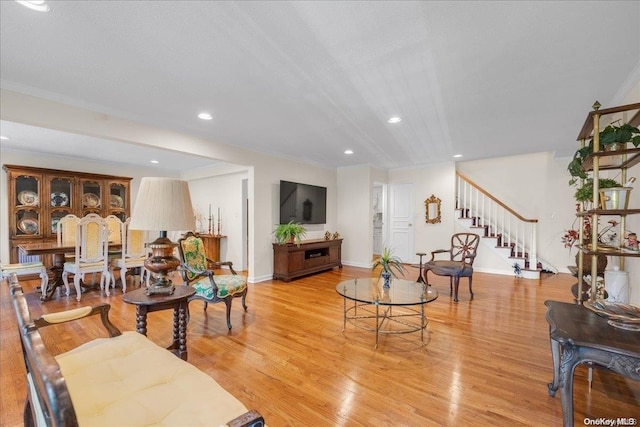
(163, 204)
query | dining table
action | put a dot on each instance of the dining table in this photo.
(57, 267)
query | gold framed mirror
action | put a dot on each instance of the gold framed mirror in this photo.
(432, 210)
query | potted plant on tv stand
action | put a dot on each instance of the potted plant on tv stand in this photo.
(292, 232)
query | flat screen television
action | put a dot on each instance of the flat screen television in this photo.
(302, 203)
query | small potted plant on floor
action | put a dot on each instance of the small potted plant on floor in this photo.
(387, 261)
(292, 232)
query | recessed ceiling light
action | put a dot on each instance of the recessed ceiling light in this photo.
(394, 119)
(348, 151)
(205, 116)
(457, 156)
(154, 161)
(4, 138)
(37, 5)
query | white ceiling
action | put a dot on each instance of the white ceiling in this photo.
(307, 80)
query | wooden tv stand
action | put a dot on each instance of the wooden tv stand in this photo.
(291, 261)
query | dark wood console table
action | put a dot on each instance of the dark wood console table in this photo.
(578, 335)
(311, 256)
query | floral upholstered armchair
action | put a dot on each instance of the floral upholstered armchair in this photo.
(210, 287)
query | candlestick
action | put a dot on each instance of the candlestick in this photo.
(219, 226)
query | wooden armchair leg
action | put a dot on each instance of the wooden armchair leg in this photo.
(244, 300)
(470, 286)
(227, 302)
(451, 287)
(456, 283)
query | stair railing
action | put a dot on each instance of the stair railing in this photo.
(498, 220)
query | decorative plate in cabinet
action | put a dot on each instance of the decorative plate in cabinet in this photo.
(28, 198)
(28, 225)
(90, 200)
(59, 199)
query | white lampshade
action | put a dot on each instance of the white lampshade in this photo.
(163, 204)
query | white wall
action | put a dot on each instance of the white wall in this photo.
(439, 180)
(223, 193)
(355, 189)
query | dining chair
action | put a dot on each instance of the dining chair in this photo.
(91, 253)
(133, 255)
(197, 271)
(459, 264)
(114, 226)
(66, 233)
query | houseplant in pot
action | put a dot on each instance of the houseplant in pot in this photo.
(292, 232)
(584, 194)
(612, 136)
(388, 262)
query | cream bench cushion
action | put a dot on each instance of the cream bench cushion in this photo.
(129, 380)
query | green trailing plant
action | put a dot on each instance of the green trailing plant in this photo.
(610, 135)
(388, 262)
(619, 134)
(585, 193)
(291, 232)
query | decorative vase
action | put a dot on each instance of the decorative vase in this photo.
(387, 279)
(586, 263)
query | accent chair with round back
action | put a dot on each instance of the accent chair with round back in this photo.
(460, 263)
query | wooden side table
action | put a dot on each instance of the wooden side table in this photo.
(178, 301)
(212, 245)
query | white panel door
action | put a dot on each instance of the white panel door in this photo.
(401, 225)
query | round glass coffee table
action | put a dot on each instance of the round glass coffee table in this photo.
(398, 309)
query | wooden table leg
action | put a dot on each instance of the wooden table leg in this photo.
(141, 319)
(56, 269)
(179, 344)
(182, 330)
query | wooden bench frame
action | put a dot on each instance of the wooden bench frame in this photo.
(48, 401)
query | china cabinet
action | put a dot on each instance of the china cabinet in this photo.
(619, 161)
(38, 198)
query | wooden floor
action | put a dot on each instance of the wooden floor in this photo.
(485, 362)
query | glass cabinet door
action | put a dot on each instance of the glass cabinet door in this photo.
(61, 193)
(62, 201)
(118, 200)
(27, 205)
(28, 222)
(91, 197)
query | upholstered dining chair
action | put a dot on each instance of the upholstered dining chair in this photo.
(131, 256)
(114, 230)
(66, 233)
(210, 287)
(91, 253)
(459, 264)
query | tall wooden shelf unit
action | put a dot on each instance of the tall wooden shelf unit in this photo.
(38, 198)
(620, 160)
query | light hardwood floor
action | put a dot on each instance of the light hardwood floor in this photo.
(486, 362)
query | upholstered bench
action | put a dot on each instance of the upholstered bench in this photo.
(124, 380)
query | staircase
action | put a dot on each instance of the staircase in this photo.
(504, 231)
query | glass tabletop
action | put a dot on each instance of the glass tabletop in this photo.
(401, 292)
